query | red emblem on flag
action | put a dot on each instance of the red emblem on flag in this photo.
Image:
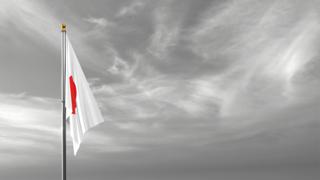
(73, 90)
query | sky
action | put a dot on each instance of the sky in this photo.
(191, 90)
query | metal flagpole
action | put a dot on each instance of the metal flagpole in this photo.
(63, 83)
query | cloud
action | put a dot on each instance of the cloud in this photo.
(41, 24)
(99, 22)
(119, 66)
(165, 34)
(32, 129)
(30, 126)
(31, 17)
(131, 9)
(262, 52)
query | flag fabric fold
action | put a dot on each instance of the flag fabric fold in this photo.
(82, 110)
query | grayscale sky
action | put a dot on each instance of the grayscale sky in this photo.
(189, 89)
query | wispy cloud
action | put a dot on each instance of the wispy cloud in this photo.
(263, 65)
(31, 17)
(36, 20)
(30, 126)
(99, 22)
(131, 9)
(165, 33)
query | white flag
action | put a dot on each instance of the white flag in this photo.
(82, 110)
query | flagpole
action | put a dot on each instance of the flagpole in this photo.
(63, 83)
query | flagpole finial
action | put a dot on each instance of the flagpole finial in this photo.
(63, 27)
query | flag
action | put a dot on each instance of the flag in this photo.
(82, 111)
